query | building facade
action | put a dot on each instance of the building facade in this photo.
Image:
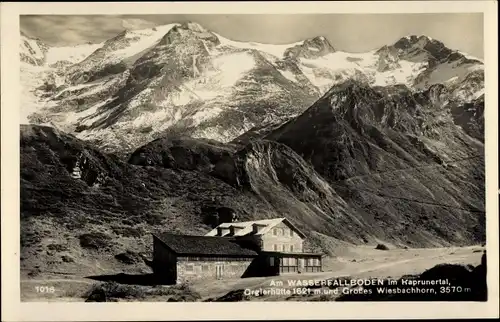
(181, 258)
(238, 249)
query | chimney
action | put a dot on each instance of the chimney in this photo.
(221, 230)
(257, 228)
(234, 229)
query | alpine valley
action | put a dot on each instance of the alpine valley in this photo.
(158, 129)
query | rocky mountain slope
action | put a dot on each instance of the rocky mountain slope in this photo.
(397, 157)
(165, 128)
(184, 79)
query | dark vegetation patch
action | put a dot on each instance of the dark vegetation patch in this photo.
(382, 247)
(126, 231)
(95, 240)
(232, 296)
(111, 291)
(67, 259)
(128, 257)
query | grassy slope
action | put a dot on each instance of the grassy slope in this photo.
(115, 202)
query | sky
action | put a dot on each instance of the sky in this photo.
(347, 32)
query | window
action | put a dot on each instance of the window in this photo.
(271, 261)
(293, 262)
(275, 247)
(285, 261)
(311, 262)
(204, 268)
(190, 268)
(275, 231)
(283, 247)
(291, 233)
(291, 248)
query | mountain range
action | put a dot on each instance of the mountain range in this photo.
(160, 128)
(184, 79)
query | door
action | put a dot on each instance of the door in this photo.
(219, 271)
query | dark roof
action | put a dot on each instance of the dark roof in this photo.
(204, 245)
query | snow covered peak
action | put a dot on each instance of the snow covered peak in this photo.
(70, 54)
(32, 50)
(182, 33)
(414, 39)
(193, 26)
(117, 53)
(311, 48)
(272, 49)
(421, 42)
(131, 35)
(183, 75)
(468, 56)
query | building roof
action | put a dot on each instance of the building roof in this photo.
(204, 245)
(247, 227)
(293, 254)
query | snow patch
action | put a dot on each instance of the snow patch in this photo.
(147, 38)
(31, 48)
(73, 89)
(289, 75)
(275, 50)
(31, 77)
(178, 98)
(444, 72)
(205, 114)
(162, 118)
(233, 67)
(74, 117)
(72, 54)
(404, 75)
(479, 93)
(140, 98)
(468, 56)
(336, 67)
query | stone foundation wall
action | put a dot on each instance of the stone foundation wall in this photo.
(193, 270)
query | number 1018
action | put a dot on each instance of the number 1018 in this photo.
(45, 289)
